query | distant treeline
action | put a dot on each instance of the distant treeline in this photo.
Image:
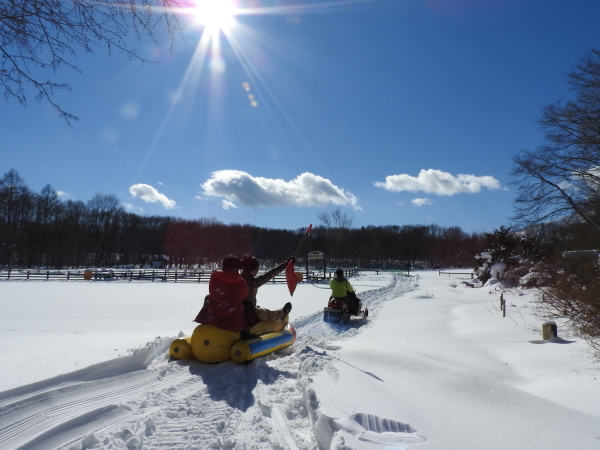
(41, 230)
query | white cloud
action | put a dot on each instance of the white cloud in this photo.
(226, 204)
(149, 194)
(132, 208)
(307, 189)
(64, 195)
(421, 201)
(437, 182)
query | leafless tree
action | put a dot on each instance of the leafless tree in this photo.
(338, 226)
(105, 214)
(562, 177)
(42, 36)
(16, 202)
(336, 219)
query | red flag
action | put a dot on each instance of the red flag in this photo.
(290, 274)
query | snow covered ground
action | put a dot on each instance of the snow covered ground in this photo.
(435, 366)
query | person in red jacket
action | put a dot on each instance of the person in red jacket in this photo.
(224, 305)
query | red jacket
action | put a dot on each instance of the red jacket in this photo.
(224, 307)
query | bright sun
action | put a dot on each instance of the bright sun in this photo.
(215, 15)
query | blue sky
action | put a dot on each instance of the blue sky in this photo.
(398, 112)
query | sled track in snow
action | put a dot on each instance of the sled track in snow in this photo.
(146, 401)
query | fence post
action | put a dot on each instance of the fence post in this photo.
(306, 267)
(9, 270)
(503, 305)
(175, 275)
(27, 274)
(68, 274)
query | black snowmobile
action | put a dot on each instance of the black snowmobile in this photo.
(340, 310)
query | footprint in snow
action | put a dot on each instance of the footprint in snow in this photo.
(338, 433)
(333, 373)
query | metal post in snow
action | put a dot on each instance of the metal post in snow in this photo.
(307, 266)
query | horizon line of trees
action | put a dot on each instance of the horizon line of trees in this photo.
(41, 230)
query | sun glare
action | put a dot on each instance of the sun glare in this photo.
(215, 15)
(217, 19)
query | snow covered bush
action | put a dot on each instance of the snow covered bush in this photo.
(539, 274)
(513, 276)
(511, 256)
(498, 258)
(497, 270)
(534, 279)
(574, 296)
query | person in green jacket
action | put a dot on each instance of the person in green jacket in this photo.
(343, 290)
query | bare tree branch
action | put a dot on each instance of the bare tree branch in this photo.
(338, 225)
(40, 36)
(562, 177)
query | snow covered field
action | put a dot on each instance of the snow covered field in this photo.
(435, 366)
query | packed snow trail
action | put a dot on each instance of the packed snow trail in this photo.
(146, 401)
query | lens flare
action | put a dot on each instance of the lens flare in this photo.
(214, 15)
(217, 19)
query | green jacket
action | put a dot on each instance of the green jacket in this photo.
(340, 287)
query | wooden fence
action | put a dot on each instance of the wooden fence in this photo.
(472, 274)
(108, 275)
(320, 276)
(143, 274)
